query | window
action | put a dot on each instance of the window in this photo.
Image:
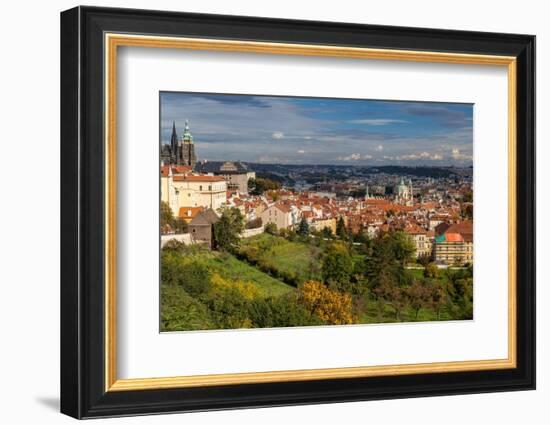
(200, 187)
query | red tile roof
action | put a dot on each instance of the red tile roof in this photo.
(465, 229)
(198, 178)
(414, 229)
(189, 212)
(453, 237)
(282, 207)
(176, 169)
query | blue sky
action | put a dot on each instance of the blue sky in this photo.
(295, 130)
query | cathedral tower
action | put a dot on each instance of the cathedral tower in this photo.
(179, 151)
(188, 156)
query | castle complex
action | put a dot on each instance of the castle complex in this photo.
(180, 151)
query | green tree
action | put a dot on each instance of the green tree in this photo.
(228, 228)
(389, 253)
(327, 232)
(438, 299)
(166, 215)
(282, 311)
(419, 296)
(460, 290)
(169, 223)
(303, 228)
(424, 259)
(337, 267)
(341, 231)
(260, 185)
(188, 273)
(271, 228)
(229, 308)
(398, 299)
(180, 225)
(431, 271)
(181, 312)
(403, 247)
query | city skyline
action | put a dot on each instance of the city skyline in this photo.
(299, 130)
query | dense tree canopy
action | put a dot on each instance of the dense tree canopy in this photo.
(389, 253)
(322, 281)
(337, 266)
(228, 228)
(260, 185)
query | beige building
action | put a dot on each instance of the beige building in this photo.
(281, 215)
(193, 190)
(421, 241)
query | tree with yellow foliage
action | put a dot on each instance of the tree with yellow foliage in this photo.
(229, 301)
(248, 290)
(331, 306)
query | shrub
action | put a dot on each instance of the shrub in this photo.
(271, 228)
(180, 312)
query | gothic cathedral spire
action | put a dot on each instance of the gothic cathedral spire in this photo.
(173, 143)
(180, 151)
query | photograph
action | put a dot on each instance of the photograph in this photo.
(285, 211)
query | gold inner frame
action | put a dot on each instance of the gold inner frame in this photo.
(113, 41)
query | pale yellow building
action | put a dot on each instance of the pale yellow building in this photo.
(319, 224)
(421, 241)
(193, 190)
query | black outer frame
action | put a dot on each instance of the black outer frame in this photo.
(82, 212)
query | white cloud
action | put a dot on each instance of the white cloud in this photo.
(417, 156)
(278, 135)
(379, 148)
(459, 156)
(377, 121)
(301, 151)
(354, 157)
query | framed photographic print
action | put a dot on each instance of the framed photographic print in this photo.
(261, 212)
